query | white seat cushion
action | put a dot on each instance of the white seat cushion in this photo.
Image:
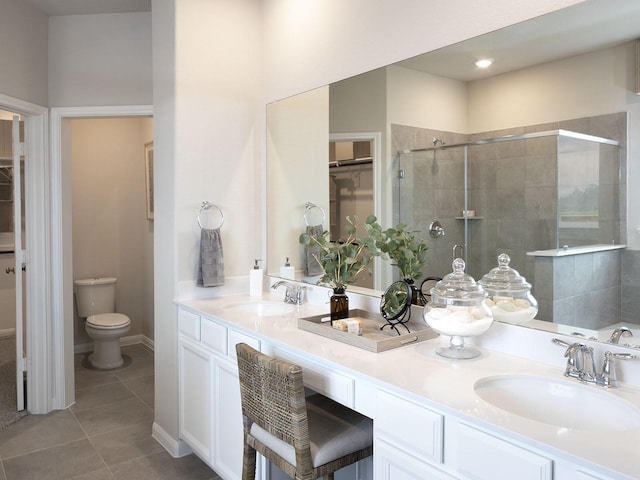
(108, 320)
(334, 431)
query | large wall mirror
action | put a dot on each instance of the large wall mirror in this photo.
(540, 147)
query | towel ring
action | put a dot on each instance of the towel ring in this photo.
(308, 208)
(206, 206)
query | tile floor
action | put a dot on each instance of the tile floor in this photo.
(105, 435)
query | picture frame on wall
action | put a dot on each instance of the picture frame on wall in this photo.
(148, 163)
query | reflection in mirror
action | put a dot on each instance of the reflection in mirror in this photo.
(530, 196)
(395, 306)
(396, 300)
(546, 77)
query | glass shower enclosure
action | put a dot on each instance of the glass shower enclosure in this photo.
(517, 194)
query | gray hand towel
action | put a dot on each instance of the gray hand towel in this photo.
(311, 265)
(211, 264)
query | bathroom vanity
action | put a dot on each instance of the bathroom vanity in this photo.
(429, 420)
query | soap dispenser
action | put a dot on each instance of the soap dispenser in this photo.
(288, 271)
(255, 280)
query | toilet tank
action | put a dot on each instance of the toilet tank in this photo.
(95, 296)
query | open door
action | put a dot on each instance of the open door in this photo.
(18, 156)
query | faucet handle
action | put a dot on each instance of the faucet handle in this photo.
(574, 360)
(574, 363)
(588, 373)
(608, 378)
(300, 289)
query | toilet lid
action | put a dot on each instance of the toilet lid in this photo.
(108, 320)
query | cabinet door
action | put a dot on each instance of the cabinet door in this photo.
(195, 366)
(409, 426)
(484, 456)
(392, 463)
(228, 435)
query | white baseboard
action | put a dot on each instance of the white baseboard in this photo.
(176, 448)
(129, 340)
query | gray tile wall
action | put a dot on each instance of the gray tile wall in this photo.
(581, 290)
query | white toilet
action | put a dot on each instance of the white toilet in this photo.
(96, 300)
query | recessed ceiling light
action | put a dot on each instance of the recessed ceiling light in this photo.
(484, 62)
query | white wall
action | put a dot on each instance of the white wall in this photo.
(423, 100)
(100, 60)
(209, 124)
(595, 83)
(111, 234)
(23, 52)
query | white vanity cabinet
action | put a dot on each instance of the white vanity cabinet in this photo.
(415, 436)
(210, 414)
(408, 440)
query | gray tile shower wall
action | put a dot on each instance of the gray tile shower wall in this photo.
(631, 287)
(516, 207)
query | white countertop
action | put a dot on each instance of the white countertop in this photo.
(417, 372)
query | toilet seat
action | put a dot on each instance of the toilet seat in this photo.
(108, 321)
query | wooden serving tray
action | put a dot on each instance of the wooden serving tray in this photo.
(372, 339)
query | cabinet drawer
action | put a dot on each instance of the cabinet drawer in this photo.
(323, 380)
(235, 337)
(410, 426)
(214, 336)
(189, 324)
(482, 456)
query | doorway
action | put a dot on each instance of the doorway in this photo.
(355, 160)
(12, 276)
(62, 232)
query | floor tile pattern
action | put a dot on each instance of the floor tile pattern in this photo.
(105, 435)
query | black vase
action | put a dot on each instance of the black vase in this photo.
(339, 303)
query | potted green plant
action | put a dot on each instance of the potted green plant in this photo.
(406, 250)
(341, 262)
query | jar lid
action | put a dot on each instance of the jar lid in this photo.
(458, 288)
(503, 279)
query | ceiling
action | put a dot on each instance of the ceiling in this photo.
(585, 27)
(90, 7)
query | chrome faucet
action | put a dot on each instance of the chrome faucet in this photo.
(620, 332)
(294, 294)
(581, 364)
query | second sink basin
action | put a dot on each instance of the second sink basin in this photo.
(263, 309)
(558, 402)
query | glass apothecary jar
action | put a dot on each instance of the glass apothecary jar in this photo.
(509, 294)
(458, 309)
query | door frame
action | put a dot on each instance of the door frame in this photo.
(40, 388)
(62, 244)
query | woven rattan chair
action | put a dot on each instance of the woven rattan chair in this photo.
(308, 437)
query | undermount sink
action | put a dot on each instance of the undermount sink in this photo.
(263, 309)
(559, 402)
